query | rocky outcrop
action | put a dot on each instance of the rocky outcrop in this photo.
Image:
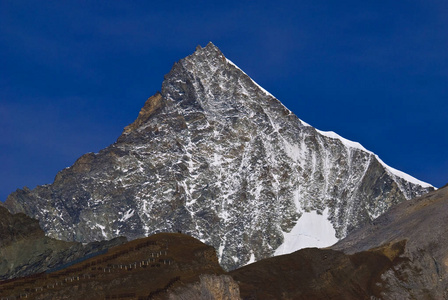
(209, 287)
(25, 250)
(422, 271)
(216, 156)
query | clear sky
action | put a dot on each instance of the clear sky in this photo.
(73, 74)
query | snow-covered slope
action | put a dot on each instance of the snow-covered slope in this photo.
(220, 158)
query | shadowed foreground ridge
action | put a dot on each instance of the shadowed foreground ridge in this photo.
(318, 274)
(218, 157)
(157, 267)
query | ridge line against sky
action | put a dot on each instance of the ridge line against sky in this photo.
(74, 74)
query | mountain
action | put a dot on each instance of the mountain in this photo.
(216, 156)
(25, 250)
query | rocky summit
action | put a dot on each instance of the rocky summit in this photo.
(216, 156)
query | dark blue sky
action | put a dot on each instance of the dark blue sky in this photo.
(73, 74)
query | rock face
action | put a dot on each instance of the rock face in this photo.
(25, 250)
(216, 156)
(209, 287)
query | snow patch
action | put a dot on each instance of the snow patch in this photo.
(102, 230)
(251, 259)
(305, 123)
(312, 230)
(127, 215)
(348, 143)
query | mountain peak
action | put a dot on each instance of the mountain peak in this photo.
(210, 54)
(206, 81)
(210, 47)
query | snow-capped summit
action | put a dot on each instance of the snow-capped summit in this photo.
(216, 156)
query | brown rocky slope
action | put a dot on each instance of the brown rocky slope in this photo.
(161, 266)
(423, 224)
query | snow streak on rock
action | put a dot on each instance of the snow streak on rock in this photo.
(216, 156)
